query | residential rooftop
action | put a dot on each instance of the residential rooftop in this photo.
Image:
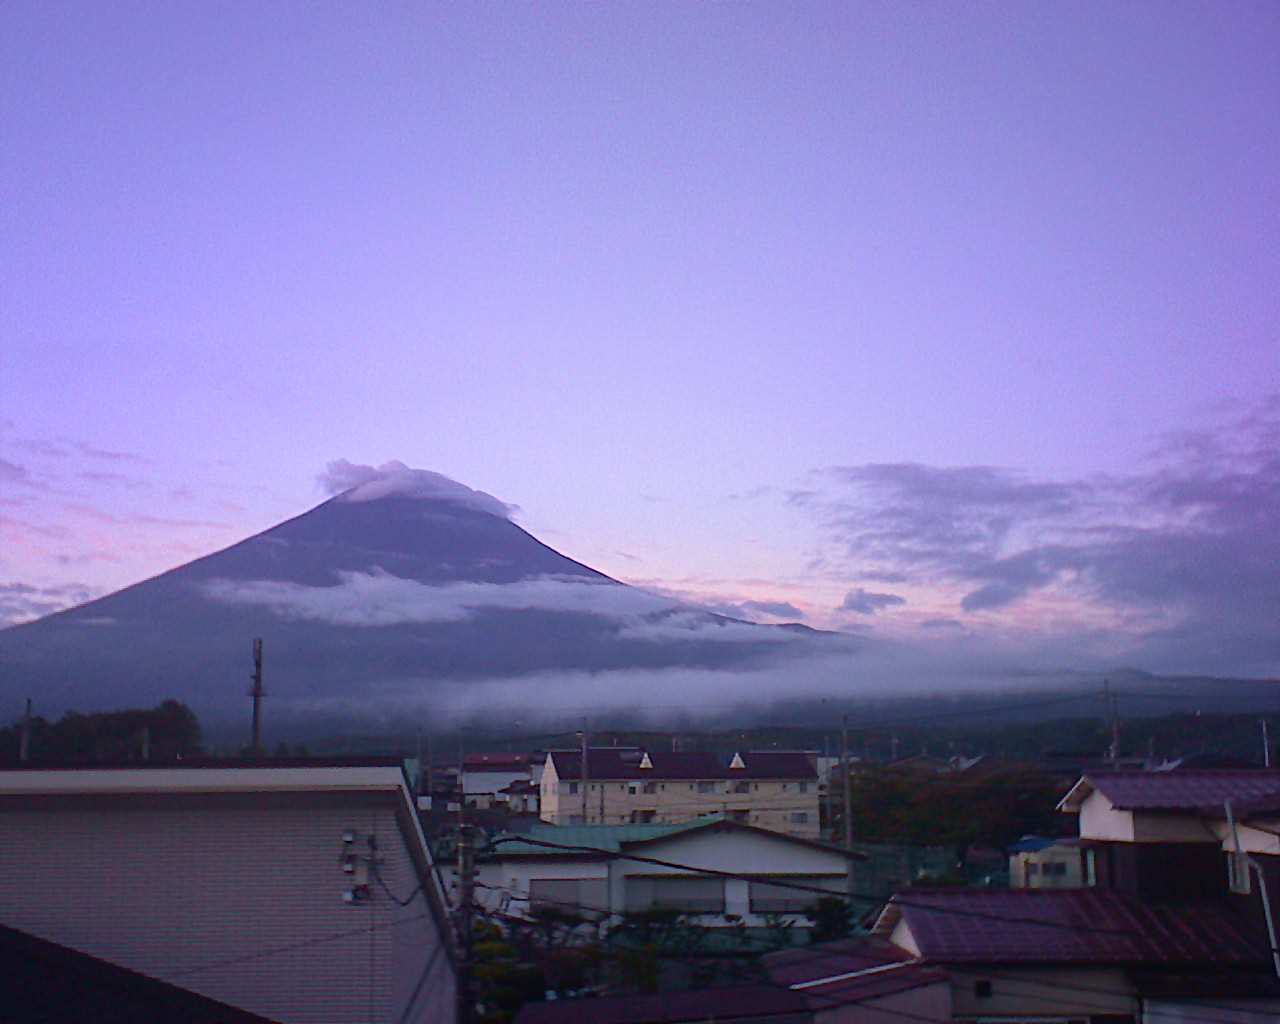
(1180, 790)
(1072, 926)
(613, 763)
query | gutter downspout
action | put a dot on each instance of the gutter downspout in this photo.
(1253, 865)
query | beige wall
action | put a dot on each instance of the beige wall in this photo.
(767, 804)
(235, 896)
(1072, 876)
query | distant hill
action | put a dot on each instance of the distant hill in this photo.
(364, 603)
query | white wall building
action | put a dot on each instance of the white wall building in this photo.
(300, 893)
(601, 876)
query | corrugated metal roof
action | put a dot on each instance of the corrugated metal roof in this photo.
(1183, 790)
(1076, 926)
(593, 837)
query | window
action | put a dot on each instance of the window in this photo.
(1033, 869)
(573, 789)
(1090, 867)
(982, 989)
(799, 817)
(742, 787)
(1056, 869)
(651, 787)
(742, 816)
(692, 895)
(804, 787)
(569, 895)
(706, 787)
(642, 817)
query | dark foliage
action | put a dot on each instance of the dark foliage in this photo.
(165, 733)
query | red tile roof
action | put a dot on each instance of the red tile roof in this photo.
(1176, 790)
(1080, 926)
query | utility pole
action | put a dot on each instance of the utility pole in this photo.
(146, 743)
(257, 694)
(431, 776)
(585, 772)
(848, 789)
(1115, 722)
(24, 740)
(1266, 745)
(466, 891)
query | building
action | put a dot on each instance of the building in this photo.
(1037, 863)
(485, 776)
(602, 871)
(294, 891)
(627, 785)
(1174, 919)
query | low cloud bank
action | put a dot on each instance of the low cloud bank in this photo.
(380, 599)
(358, 482)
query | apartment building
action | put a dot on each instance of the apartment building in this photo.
(776, 790)
(302, 892)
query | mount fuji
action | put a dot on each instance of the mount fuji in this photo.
(404, 592)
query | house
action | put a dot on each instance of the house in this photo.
(846, 982)
(1075, 955)
(1174, 918)
(521, 796)
(716, 869)
(1038, 863)
(626, 785)
(485, 776)
(295, 891)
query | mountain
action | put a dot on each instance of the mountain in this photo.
(372, 602)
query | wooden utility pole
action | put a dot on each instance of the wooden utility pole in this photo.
(844, 782)
(257, 694)
(24, 738)
(431, 776)
(466, 892)
(585, 772)
(1115, 722)
(1266, 745)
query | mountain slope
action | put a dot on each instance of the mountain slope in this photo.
(362, 604)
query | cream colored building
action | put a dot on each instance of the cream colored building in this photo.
(626, 785)
(1055, 866)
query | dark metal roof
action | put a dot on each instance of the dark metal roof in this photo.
(41, 980)
(1080, 926)
(612, 763)
(1183, 790)
(741, 1003)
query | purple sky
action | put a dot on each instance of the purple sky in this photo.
(888, 313)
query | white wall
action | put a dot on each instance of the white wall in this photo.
(216, 892)
(1100, 820)
(736, 852)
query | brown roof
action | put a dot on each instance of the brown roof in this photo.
(609, 763)
(1176, 790)
(1076, 926)
(495, 762)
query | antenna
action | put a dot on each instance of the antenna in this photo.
(24, 740)
(257, 694)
